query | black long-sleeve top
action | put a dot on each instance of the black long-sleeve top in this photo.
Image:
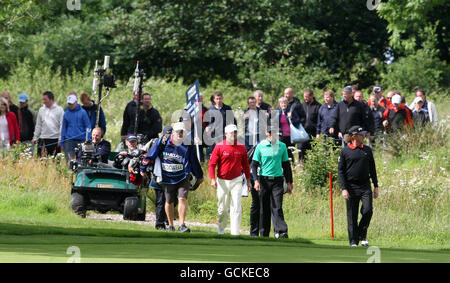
(356, 166)
(348, 115)
(312, 114)
(129, 116)
(298, 115)
(150, 123)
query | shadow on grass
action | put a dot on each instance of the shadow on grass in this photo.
(26, 242)
(30, 229)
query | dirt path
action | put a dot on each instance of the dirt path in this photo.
(150, 220)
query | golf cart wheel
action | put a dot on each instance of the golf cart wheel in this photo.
(141, 216)
(78, 204)
(130, 208)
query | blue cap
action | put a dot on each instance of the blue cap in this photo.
(23, 97)
(131, 138)
(167, 130)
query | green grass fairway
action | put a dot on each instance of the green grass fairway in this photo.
(50, 244)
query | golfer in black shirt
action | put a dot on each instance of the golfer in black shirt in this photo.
(356, 166)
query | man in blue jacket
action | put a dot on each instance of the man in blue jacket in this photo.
(91, 110)
(326, 113)
(177, 161)
(74, 126)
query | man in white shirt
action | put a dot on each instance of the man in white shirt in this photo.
(48, 126)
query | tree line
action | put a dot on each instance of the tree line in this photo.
(243, 41)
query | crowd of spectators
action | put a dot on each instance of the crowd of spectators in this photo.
(266, 146)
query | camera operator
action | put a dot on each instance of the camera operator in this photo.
(132, 145)
(102, 148)
(130, 159)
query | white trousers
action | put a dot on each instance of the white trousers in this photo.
(4, 145)
(229, 194)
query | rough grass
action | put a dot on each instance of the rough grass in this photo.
(405, 215)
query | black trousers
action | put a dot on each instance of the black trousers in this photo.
(287, 141)
(209, 150)
(254, 212)
(271, 206)
(50, 145)
(161, 217)
(303, 147)
(357, 232)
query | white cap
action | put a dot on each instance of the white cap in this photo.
(397, 99)
(179, 126)
(231, 128)
(71, 99)
(417, 99)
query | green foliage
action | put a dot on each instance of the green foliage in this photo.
(422, 69)
(408, 21)
(206, 211)
(231, 39)
(321, 160)
(220, 39)
(320, 43)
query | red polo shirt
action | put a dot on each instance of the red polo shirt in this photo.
(231, 161)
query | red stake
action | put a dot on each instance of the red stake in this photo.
(331, 206)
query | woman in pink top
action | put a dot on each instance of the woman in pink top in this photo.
(285, 125)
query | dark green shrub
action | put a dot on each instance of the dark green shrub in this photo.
(320, 161)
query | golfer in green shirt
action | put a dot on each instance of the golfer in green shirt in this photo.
(272, 159)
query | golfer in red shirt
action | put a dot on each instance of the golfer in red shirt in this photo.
(231, 160)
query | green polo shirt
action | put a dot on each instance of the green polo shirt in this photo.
(270, 157)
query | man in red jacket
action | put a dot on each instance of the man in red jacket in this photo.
(231, 160)
(398, 117)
